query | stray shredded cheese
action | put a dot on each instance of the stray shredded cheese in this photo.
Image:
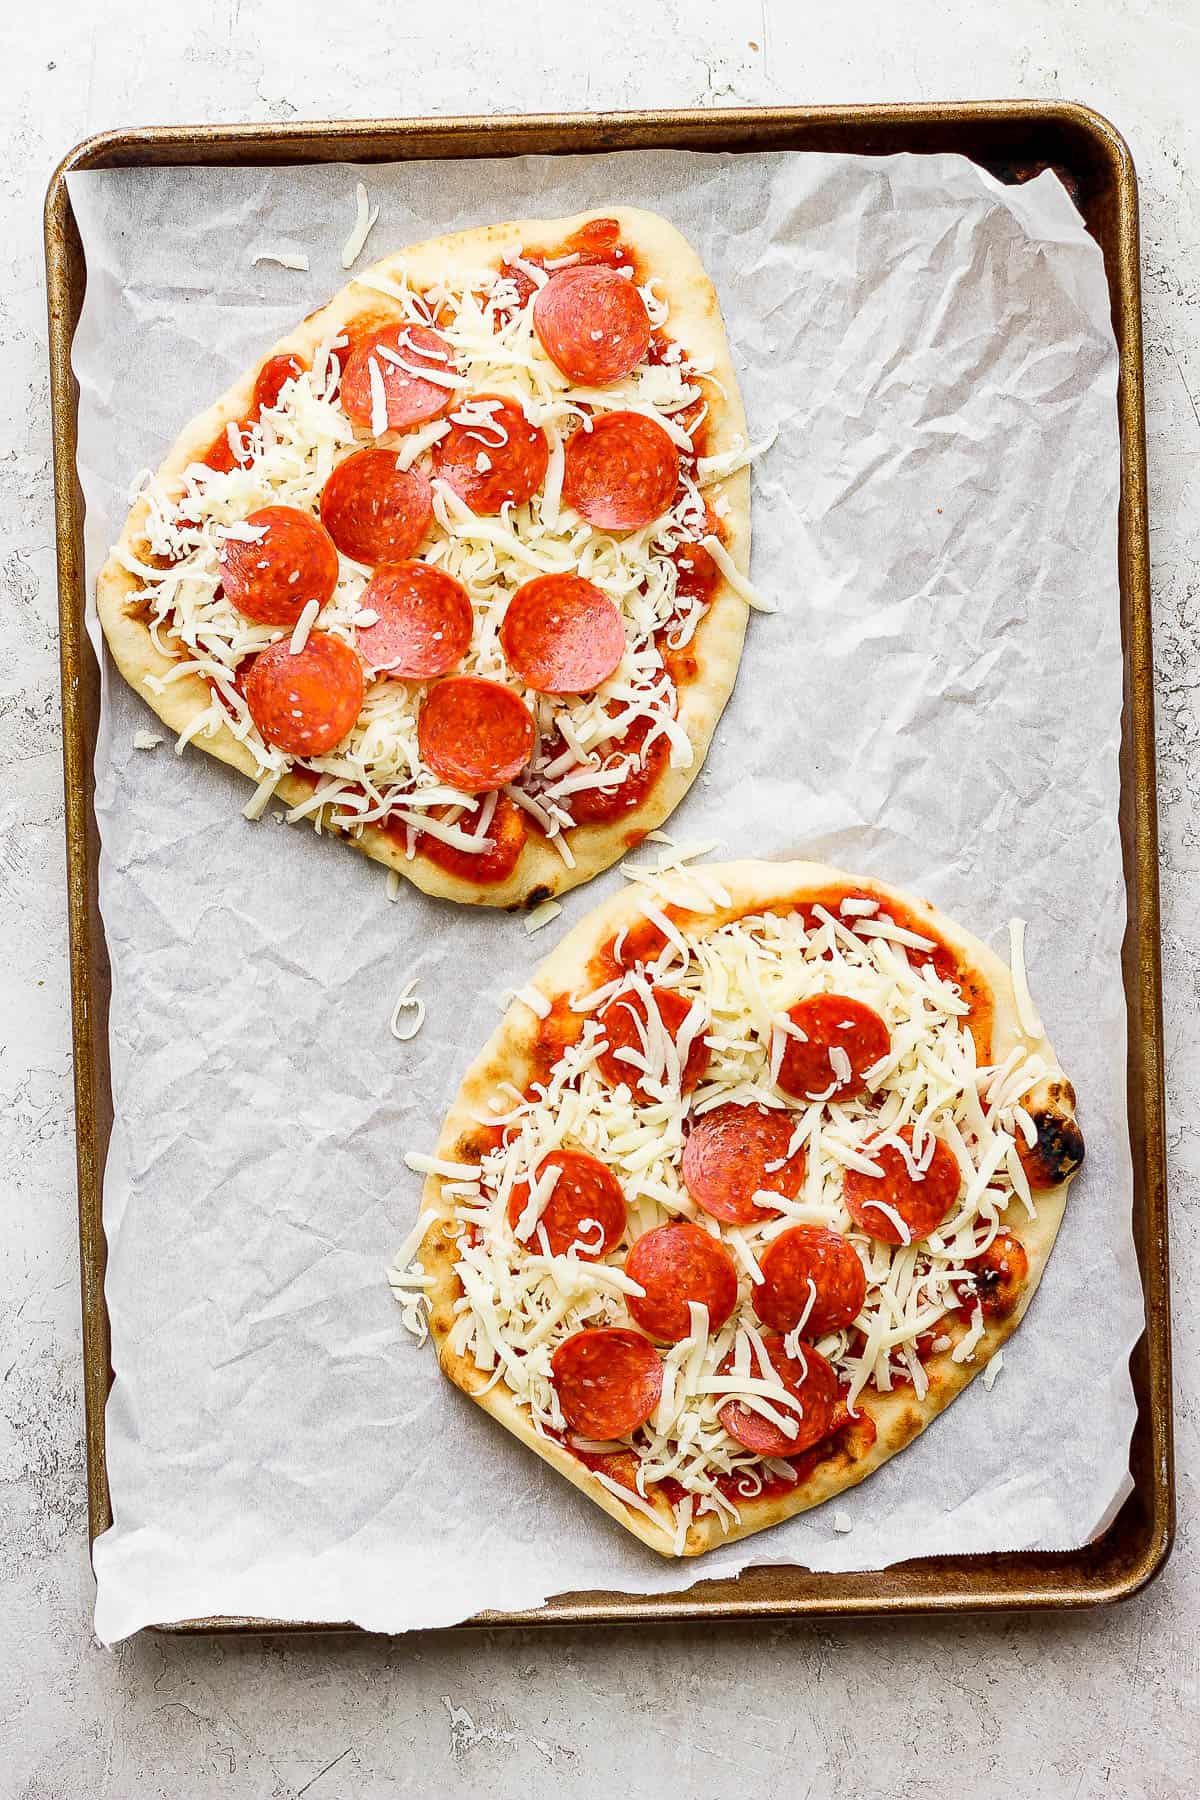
(741, 584)
(303, 626)
(716, 468)
(363, 223)
(738, 980)
(440, 1165)
(1027, 1012)
(287, 259)
(542, 915)
(407, 1001)
(534, 1000)
(260, 799)
(409, 1282)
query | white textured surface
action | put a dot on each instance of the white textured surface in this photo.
(1074, 1706)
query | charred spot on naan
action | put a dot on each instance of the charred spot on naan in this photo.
(475, 1144)
(1058, 1150)
(907, 1426)
(1000, 1276)
(857, 1436)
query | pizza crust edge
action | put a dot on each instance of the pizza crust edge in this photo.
(717, 645)
(899, 1417)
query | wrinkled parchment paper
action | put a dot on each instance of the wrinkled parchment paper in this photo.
(937, 702)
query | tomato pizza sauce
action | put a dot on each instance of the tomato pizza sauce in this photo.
(751, 1221)
(502, 694)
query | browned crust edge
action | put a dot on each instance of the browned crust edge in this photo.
(899, 1417)
(695, 317)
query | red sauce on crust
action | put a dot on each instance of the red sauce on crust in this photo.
(595, 806)
(508, 833)
(945, 959)
(559, 1028)
(275, 372)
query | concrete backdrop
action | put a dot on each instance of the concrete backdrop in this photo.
(1077, 1707)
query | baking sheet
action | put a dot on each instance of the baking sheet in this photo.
(938, 703)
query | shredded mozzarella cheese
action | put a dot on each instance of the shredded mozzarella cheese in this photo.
(1027, 1012)
(741, 584)
(407, 1002)
(542, 915)
(738, 980)
(365, 217)
(376, 774)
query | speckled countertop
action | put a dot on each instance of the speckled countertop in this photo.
(1076, 1706)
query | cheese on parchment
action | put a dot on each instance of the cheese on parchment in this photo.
(286, 259)
(407, 1001)
(364, 220)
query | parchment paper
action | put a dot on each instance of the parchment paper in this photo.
(937, 703)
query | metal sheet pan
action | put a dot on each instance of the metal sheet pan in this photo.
(1014, 140)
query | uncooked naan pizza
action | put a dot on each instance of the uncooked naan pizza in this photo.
(459, 570)
(761, 1169)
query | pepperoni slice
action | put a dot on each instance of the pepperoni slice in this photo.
(811, 1382)
(305, 704)
(410, 398)
(831, 1022)
(1000, 1275)
(622, 473)
(274, 375)
(798, 1256)
(623, 1022)
(272, 378)
(729, 1156)
(585, 1195)
(562, 635)
(374, 510)
(922, 1204)
(608, 1381)
(495, 462)
(424, 625)
(675, 1264)
(475, 733)
(592, 323)
(272, 579)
